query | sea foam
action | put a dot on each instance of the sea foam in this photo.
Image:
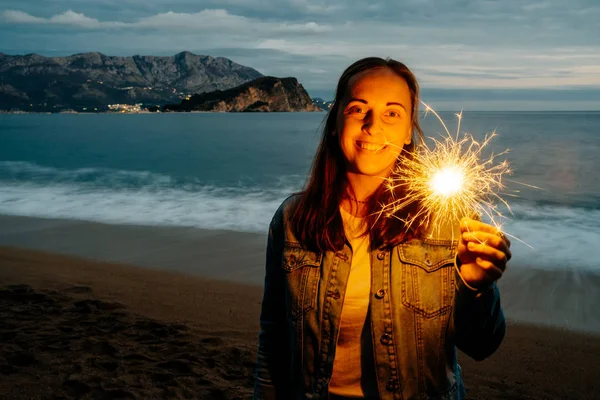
(556, 236)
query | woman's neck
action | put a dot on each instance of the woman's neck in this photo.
(359, 210)
(361, 187)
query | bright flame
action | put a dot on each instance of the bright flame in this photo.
(450, 181)
(447, 181)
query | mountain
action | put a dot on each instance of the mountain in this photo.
(94, 80)
(262, 94)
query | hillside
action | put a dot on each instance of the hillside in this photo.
(265, 94)
(93, 80)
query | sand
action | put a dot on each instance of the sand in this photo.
(73, 327)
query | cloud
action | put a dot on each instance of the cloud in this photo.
(314, 7)
(68, 18)
(449, 44)
(19, 17)
(72, 18)
(536, 6)
(221, 19)
(206, 20)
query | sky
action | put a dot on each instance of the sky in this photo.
(466, 54)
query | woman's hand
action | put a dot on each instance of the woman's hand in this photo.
(483, 252)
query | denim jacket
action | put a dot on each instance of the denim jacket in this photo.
(420, 311)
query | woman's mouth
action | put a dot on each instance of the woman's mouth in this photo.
(370, 146)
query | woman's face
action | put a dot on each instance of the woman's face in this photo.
(376, 123)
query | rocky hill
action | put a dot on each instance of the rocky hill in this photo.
(94, 80)
(263, 94)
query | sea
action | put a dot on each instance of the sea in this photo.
(232, 170)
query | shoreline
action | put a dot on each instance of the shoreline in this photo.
(183, 249)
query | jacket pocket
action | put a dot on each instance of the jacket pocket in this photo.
(427, 278)
(302, 270)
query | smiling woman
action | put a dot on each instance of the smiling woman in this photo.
(375, 127)
(357, 305)
(372, 121)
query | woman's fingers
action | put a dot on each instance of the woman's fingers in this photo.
(468, 225)
(491, 270)
(488, 254)
(484, 251)
(490, 240)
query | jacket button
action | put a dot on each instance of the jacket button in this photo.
(386, 338)
(380, 255)
(391, 386)
(379, 294)
(427, 260)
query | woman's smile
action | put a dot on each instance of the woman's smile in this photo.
(370, 147)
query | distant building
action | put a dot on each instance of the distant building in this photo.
(322, 104)
(125, 108)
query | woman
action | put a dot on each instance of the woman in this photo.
(357, 306)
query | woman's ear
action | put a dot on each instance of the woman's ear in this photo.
(408, 138)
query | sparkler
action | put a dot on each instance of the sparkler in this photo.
(449, 181)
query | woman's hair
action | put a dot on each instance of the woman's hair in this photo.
(316, 220)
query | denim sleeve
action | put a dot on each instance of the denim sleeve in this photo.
(479, 324)
(273, 362)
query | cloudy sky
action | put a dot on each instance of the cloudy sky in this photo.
(510, 53)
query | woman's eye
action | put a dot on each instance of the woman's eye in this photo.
(394, 114)
(356, 110)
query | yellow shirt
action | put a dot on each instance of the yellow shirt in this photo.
(353, 367)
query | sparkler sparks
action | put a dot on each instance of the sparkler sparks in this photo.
(449, 181)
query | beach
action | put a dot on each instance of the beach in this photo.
(93, 310)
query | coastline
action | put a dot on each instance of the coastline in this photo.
(216, 254)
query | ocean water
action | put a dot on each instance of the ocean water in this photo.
(231, 171)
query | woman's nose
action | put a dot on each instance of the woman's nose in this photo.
(372, 124)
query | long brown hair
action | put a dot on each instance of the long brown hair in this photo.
(316, 220)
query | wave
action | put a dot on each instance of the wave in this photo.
(211, 208)
(138, 197)
(556, 236)
(21, 171)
